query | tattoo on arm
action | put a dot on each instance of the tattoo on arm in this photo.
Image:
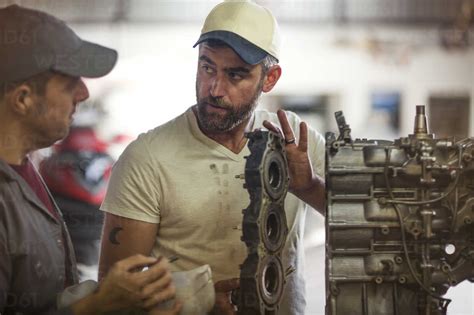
(113, 235)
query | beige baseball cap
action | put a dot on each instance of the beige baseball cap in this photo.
(248, 28)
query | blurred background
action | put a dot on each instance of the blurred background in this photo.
(374, 59)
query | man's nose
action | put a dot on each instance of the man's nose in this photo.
(218, 87)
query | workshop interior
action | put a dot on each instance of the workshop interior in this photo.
(390, 83)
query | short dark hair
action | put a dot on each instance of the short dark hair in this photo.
(37, 83)
(268, 62)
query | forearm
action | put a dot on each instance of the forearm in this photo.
(123, 238)
(315, 195)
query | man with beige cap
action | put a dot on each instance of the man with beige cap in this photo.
(174, 192)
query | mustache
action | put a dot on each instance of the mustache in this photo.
(218, 102)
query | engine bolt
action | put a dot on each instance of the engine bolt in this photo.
(398, 259)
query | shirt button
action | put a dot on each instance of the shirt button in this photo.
(60, 242)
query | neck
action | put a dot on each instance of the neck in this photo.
(14, 145)
(234, 139)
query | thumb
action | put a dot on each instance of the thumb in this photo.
(137, 261)
(227, 285)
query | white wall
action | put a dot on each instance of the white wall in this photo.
(156, 69)
(410, 61)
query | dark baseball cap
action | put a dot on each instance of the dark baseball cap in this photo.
(32, 42)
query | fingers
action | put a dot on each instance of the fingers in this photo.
(285, 125)
(272, 127)
(135, 262)
(287, 132)
(303, 143)
(155, 272)
(227, 285)
(158, 284)
(222, 305)
(126, 285)
(155, 287)
(146, 282)
(163, 295)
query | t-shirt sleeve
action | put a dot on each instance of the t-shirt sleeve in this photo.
(133, 190)
(317, 152)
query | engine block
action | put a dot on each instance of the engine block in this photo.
(264, 227)
(399, 226)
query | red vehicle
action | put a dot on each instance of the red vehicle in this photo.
(77, 174)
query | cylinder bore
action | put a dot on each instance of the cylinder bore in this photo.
(275, 176)
(271, 279)
(274, 228)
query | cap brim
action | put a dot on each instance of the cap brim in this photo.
(249, 52)
(90, 61)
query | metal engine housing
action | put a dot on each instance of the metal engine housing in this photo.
(399, 226)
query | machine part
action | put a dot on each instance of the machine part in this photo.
(195, 289)
(399, 226)
(264, 227)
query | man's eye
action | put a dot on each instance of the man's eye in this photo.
(207, 69)
(235, 76)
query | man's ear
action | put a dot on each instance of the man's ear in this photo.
(21, 99)
(271, 78)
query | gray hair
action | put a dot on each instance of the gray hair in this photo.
(268, 62)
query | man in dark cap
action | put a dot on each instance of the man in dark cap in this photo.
(42, 62)
(174, 192)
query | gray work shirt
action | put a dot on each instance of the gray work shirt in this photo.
(32, 250)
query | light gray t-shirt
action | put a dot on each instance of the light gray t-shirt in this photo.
(185, 182)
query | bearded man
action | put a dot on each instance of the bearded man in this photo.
(173, 191)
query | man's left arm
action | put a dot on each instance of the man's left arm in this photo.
(314, 195)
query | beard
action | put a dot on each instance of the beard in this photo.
(235, 114)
